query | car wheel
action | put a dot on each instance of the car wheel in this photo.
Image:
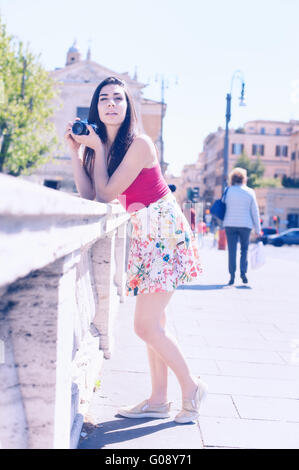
(278, 243)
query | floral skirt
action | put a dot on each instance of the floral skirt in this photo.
(163, 250)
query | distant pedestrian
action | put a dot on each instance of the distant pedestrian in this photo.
(192, 211)
(241, 215)
(118, 162)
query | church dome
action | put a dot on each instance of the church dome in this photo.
(73, 49)
(73, 54)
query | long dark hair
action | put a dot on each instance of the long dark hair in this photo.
(124, 136)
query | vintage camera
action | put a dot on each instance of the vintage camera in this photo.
(80, 127)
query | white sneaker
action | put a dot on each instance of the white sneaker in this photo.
(190, 408)
(145, 410)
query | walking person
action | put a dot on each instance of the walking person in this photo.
(119, 162)
(241, 215)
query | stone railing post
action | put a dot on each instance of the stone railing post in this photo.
(103, 259)
(120, 260)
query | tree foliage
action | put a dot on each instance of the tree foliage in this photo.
(255, 169)
(27, 135)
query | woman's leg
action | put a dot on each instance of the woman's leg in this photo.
(159, 372)
(148, 318)
(244, 239)
(232, 240)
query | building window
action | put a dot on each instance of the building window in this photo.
(281, 151)
(277, 132)
(293, 155)
(258, 149)
(263, 130)
(82, 113)
(237, 149)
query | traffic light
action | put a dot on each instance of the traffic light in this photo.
(195, 195)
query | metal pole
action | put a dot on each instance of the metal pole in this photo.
(161, 137)
(226, 141)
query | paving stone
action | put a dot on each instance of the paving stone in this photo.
(262, 371)
(252, 387)
(249, 434)
(116, 432)
(267, 408)
(241, 355)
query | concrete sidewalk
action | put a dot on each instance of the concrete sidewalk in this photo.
(243, 341)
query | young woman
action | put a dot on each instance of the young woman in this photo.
(118, 162)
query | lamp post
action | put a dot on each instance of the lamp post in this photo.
(238, 74)
(162, 162)
(163, 84)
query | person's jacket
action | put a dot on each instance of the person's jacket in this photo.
(241, 208)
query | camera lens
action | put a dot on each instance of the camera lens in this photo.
(78, 128)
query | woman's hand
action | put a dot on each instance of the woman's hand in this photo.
(92, 140)
(74, 141)
(68, 137)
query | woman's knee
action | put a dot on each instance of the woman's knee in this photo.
(148, 329)
(150, 316)
(144, 329)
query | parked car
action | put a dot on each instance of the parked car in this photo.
(266, 231)
(288, 237)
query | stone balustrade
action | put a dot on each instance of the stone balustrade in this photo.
(62, 276)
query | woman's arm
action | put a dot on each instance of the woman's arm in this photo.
(83, 183)
(255, 214)
(140, 153)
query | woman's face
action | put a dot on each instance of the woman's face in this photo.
(112, 105)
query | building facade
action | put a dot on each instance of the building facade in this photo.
(276, 143)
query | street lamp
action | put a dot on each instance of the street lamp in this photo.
(164, 85)
(238, 74)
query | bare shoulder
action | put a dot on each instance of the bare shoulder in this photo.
(144, 147)
(143, 141)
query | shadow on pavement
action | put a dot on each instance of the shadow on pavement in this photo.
(112, 432)
(202, 287)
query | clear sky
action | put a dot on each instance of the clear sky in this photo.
(201, 42)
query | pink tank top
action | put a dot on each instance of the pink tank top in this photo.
(148, 187)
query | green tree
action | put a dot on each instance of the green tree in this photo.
(255, 169)
(27, 135)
